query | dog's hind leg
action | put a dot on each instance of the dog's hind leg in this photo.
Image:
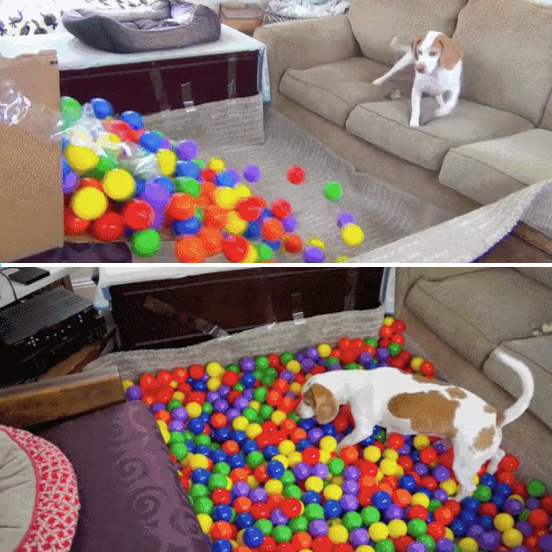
(495, 460)
(405, 61)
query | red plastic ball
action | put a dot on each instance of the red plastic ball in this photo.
(248, 209)
(509, 463)
(92, 182)
(538, 518)
(280, 208)
(211, 239)
(221, 530)
(401, 543)
(546, 504)
(311, 455)
(291, 507)
(342, 547)
(73, 225)
(179, 374)
(221, 496)
(286, 547)
(234, 248)
(443, 515)
(259, 510)
(109, 227)
(295, 175)
(214, 216)
(163, 377)
(321, 544)
(487, 509)
(427, 369)
(147, 381)
(268, 544)
(138, 214)
(207, 174)
(435, 530)
(292, 243)
(417, 511)
(398, 326)
(272, 229)
(428, 455)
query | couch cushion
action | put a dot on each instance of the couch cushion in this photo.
(147, 508)
(536, 352)
(547, 117)
(376, 22)
(385, 124)
(474, 312)
(334, 89)
(487, 171)
(507, 55)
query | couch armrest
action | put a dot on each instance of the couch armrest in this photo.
(303, 44)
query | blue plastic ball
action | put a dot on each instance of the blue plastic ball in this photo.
(221, 545)
(253, 537)
(133, 119)
(275, 469)
(310, 497)
(269, 451)
(249, 446)
(200, 475)
(236, 461)
(102, 108)
(332, 509)
(188, 227)
(150, 141)
(253, 231)
(222, 512)
(239, 436)
(381, 500)
(225, 179)
(187, 168)
(222, 434)
(219, 456)
(244, 520)
(407, 482)
(166, 182)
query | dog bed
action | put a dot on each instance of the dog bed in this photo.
(163, 25)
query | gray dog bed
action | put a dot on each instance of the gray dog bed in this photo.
(163, 25)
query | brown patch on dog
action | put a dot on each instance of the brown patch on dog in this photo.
(456, 393)
(500, 419)
(489, 409)
(430, 413)
(415, 43)
(484, 438)
(323, 402)
(451, 51)
(423, 379)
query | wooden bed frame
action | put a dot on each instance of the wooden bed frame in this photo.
(44, 401)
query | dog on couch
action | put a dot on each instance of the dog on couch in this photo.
(412, 404)
(438, 71)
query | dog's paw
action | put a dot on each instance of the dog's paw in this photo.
(378, 82)
(442, 112)
(414, 123)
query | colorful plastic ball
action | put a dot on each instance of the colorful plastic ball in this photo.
(72, 224)
(343, 219)
(313, 254)
(70, 111)
(88, 203)
(251, 173)
(118, 184)
(133, 119)
(295, 175)
(535, 488)
(145, 243)
(235, 248)
(80, 158)
(138, 214)
(102, 108)
(181, 206)
(292, 243)
(186, 150)
(235, 224)
(333, 191)
(252, 536)
(378, 531)
(280, 208)
(189, 249)
(352, 235)
(226, 197)
(109, 227)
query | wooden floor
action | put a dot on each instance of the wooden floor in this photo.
(513, 249)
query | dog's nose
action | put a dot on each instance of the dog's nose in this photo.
(420, 67)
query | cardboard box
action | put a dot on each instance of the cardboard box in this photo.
(31, 201)
(241, 16)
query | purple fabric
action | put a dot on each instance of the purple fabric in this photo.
(131, 497)
(77, 252)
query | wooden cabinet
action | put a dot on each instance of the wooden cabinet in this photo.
(170, 313)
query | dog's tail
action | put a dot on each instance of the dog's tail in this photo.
(397, 47)
(527, 389)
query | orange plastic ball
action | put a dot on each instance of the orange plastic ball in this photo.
(215, 216)
(221, 530)
(272, 229)
(292, 243)
(181, 206)
(189, 249)
(93, 182)
(207, 190)
(211, 239)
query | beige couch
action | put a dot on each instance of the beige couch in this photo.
(460, 317)
(498, 139)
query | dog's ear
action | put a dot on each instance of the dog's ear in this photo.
(325, 406)
(451, 51)
(415, 43)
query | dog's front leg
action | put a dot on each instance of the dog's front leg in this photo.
(446, 107)
(416, 101)
(362, 431)
(405, 61)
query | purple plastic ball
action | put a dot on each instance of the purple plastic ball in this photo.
(524, 527)
(345, 218)
(532, 503)
(313, 254)
(394, 512)
(474, 531)
(404, 450)
(156, 195)
(545, 543)
(301, 470)
(317, 528)
(179, 413)
(382, 354)
(513, 507)
(488, 540)
(223, 390)
(315, 434)
(307, 364)
(232, 413)
(312, 352)
(440, 446)
(320, 470)
(349, 502)
(220, 405)
(287, 375)
(364, 358)
(240, 488)
(175, 425)
(277, 517)
(234, 174)
(519, 548)
(441, 473)
(252, 173)
(444, 545)
(248, 393)
(258, 495)
(420, 468)
(440, 495)
(247, 365)
(156, 407)
(351, 472)
(186, 150)
(133, 393)
(350, 486)
(289, 223)
(241, 402)
(212, 396)
(69, 183)
(359, 536)
(165, 143)
(416, 546)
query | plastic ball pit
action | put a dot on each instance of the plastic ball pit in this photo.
(261, 479)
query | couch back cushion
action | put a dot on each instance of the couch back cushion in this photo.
(376, 22)
(507, 55)
(541, 275)
(547, 118)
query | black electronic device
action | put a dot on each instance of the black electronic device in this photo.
(28, 275)
(37, 333)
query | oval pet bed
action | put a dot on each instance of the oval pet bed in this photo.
(163, 25)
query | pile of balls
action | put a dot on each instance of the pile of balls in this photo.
(122, 181)
(261, 479)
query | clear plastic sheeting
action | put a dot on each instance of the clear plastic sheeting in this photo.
(304, 9)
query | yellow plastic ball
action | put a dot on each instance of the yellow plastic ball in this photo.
(109, 141)
(255, 405)
(213, 384)
(317, 242)
(324, 350)
(421, 499)
(166, 159)
(352, 235)
(328, 443)
(449, 486)
(420, 441)
(178, 396)
(378, 531)
(173, 384)
(294, 458)
(278, 417)
(282, 459)
(503, 521)
(274, 486)
(388, 466)
(80, 158)
(205, 522)
(379, 476)
(337, 480)
(416, 362)
(293, 366)
(332, 492)
(397, 528)
(390, 453)
(449, 534)
(313, 483)
(388, 320)
(163, 430)
(118, 184)
(126, 383)
(341, 259)
(229, 484)
(512, 537)
(364, 548)
(235, 225)
(517, 497)
(252, 481)
(193, 409)
(334, 522)
(253, 430)
(252, 255)
(468, 544)
(216, 164)
(199, 461)
(214, 369)
(242, 191)
(286, 447)
(295, 388)
(338, 534)
(225, 197)
(89, 203)
(371, 453)
(325, 456)
(239, 423)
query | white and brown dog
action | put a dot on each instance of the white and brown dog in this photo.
(438, 62)
(412, 404)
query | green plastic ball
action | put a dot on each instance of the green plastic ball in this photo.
(260, 393)
(394, 349)
(238, 387)
(369, 515)
(198, 490)
(145, 243)
(285, 358)
(186, 185)
(331, 360)
(428, 541)
(188, 435)
(264, 525)
(250, 414)
(433, 505)
(314, 511)
(351, 520)
(535, 488)
(70, 111)
(203, 505)
(222, 468)
(207, 407)
(287, 478)
(300, 523)
(281, 533)
(216, 481)
(265, 411)
(179, 451)
(262, 363)
(483, 493)
(202, 439)
(293, 416)
(254, 459)
(233, 368)
(264, 252)
(524, 514)
(175, 437)
(201, 164)
(416, 527)
(171, 405)
(333, 191)
(292, 491)
(336, 466)
(384, 545)
(381, 435)
(351, 366)
(372, 341)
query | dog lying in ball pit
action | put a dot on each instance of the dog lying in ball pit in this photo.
(412, 404)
